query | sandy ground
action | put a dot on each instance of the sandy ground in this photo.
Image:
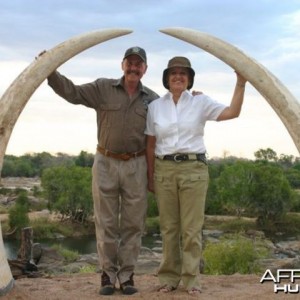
(86, 286)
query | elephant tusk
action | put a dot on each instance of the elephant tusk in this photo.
(277, 95)
(19, 92)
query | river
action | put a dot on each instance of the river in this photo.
(83, 245)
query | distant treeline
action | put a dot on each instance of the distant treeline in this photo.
(267, 187)
(32, 165)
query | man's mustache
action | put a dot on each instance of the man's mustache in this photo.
(133, 72)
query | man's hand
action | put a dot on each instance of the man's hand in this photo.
(40, 54)
(196, 93)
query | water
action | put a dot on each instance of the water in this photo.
(83, 245)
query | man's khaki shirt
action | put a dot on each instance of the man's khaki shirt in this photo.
(121, 120)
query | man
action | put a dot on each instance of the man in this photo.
(119, 170)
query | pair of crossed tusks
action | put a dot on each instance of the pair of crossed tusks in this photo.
(17, 95)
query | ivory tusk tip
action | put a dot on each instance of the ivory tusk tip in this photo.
(170, 29)
(116, 31)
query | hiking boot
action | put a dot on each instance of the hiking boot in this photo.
(127, 287)
(107, 288)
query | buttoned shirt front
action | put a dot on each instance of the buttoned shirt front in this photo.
(179, 128)
(121, 119)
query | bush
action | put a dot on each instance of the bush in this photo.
(69, 255)
(271, 194)
(152, 210)
(88, 269)
(68, 191)
(18, 214)
(152, 225)
(45, 229)
(233, 256)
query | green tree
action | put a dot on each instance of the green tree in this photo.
(267, 155)
(68, 190)
(18, 214)
(232, 187)
(286, 161)
(213, 204)
(270, 193)
(84, 159)
(8, 168)
(293, 176)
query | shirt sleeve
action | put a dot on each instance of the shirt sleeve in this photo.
(149, 122)
(213, 108)
(85, 94)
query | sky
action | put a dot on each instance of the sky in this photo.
(266, 30)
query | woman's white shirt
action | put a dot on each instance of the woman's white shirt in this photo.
(179, 128)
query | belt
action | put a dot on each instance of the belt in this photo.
(120, 156)
(179, 157)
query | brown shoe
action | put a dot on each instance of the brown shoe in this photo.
(127, 287)
(107, 288)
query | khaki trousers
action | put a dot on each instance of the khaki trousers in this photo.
(120, 206)
(181, 189)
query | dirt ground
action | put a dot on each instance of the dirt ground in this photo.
(86, 286)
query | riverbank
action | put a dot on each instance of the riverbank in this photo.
(86, 286)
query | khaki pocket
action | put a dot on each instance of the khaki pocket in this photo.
(158, 178)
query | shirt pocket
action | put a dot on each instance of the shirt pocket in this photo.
(158, 178)
(110, 114)
(202, 175)
(141, 112)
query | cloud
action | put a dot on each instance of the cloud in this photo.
(267, 30)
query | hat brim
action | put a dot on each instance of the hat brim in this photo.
(140, 56)
(165, 77)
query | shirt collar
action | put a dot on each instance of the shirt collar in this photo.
(120, 82)
(184, 96)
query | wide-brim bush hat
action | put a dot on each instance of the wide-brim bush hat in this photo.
(182, 62)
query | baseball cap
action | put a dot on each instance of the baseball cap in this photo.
(136, 51)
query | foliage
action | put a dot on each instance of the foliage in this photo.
(270, 193)
(18, 214)
(88, 269)
(152, 210)
(45, 229)
(232, 187)
(238, 187)
(32, 165)
(68, 190)
(293, 177)
(68, 255)
(5, 191)
(267, 155)
(295, 203)
(238, 225)
(84, 159)
(152, 225)
(258, 189)
(231, 256)
(288, 225)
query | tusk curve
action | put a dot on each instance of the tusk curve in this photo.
(277, 95)
(19, 92)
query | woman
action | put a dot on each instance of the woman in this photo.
(177, 169)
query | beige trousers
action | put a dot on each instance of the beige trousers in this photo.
(181, 189)
(120, 206)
